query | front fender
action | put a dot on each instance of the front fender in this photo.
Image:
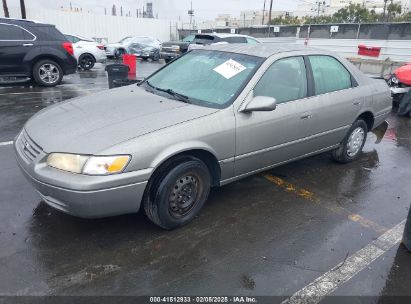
(178, 149)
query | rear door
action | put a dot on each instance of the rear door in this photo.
(15, 43)
(336, 102)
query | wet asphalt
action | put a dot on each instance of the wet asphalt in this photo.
(254, 237)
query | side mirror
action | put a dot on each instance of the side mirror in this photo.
(260, 103)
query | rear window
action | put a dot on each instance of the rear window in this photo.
(49, 33)
(204, 39)
(235, 39)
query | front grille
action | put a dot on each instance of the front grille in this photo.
(169, 49)
(28, 148)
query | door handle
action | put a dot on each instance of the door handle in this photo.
(306, 116)
(356, 103)
(27, 44)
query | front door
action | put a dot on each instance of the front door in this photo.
(267, 138)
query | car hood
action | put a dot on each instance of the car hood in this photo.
(91, 124)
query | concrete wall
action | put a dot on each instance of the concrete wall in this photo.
(112, 28)
(394, 50)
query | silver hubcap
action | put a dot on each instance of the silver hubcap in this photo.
(355, 142)
(49, 73)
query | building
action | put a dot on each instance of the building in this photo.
(149, 12)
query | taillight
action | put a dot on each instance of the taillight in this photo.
(68, 46)
(101, 47)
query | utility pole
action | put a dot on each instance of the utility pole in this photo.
(191, 12)
(6, 9)
(263, 12)
(385, 10)
(269, 14)
(23, 9)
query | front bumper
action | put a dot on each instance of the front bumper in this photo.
(81, 195)
(395, 91)
(168, 55)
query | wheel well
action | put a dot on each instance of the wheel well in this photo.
(87, 54)
(368, 117)
(208, 158)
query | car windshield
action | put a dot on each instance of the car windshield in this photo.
(189, 38)
(206, 78)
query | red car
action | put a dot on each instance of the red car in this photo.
(400, 84)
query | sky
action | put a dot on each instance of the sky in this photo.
(168, 9)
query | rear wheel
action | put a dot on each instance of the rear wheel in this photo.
(178, 195)
(47, 73)
(352, 145)
(86, 61)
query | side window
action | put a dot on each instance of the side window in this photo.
(329, 74)
(235, 40)
(252, 41)
(11, 32)
(285, 80)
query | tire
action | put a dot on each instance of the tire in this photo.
(86, 61)
(119, 53)
(156, 57)
(47, 73)
(170, 203)
(352, 145)
(168, 60)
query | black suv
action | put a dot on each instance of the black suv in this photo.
(34, 50)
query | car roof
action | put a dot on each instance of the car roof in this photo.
(224, 35)
(263, 50)
(22, 22)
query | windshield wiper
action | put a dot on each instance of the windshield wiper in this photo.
(171, 92)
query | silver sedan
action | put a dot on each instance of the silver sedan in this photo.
(211, 117)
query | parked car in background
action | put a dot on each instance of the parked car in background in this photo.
(30, 49)
(211, 117)
(173, 49)
(201, 40)
(143, 46)
(87, 51)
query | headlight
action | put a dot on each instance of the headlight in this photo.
(91, 165)
(67, 162)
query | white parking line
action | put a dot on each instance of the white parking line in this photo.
(6, 143)
(44, 92)
(314, 292)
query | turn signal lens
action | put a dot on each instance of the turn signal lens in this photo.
(104, 165)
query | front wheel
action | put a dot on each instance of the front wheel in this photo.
(352, 145)
(178, 195)
(47, 73)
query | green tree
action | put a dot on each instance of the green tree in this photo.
(394, 9)
(354, 13)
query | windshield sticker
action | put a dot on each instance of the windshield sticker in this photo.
(229, 69)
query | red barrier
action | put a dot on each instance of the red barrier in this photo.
(371, 51)
(131, 61)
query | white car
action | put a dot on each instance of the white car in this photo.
(87, 51)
